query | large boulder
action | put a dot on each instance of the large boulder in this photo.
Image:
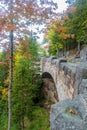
(69, 114)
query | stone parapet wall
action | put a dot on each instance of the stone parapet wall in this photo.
(65, 82)
(68, 77)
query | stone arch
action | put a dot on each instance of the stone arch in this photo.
(49, 88)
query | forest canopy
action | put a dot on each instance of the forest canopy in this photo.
(68, 30)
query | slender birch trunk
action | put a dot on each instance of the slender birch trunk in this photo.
(79, 47)
(10, 73)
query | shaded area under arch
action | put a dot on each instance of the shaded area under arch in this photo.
(48, 88)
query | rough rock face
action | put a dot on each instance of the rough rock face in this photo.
(69, 77)
(69, 80)
(80, 79)
(49, 91)
(83, 86)
(83, 53)
(69, 114)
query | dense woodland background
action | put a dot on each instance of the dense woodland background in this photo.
(20, 80)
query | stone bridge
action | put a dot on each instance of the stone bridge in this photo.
(66, 81)
(70, 78)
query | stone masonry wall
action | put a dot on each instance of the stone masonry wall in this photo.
(65, 82)
(70, 79)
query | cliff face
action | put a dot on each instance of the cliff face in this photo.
(49, 90)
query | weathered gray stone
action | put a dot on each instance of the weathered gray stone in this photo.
(83, 86)
(70, 79)
(83, 54)
(69, 114)
(81, 74)
(67, 76)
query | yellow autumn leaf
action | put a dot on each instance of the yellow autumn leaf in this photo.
(60, 46)
(6, 81)
(4, 92)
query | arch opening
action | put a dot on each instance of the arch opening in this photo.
(49, 88)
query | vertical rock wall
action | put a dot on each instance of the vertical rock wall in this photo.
(49, 90)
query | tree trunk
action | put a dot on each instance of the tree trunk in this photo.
(79, 47)
(10, 74)
(10, 82)
(78, 52)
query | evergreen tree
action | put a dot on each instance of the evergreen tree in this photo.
(26, 82)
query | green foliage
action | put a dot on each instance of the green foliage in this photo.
(3, 113)
(3, 68)
(3, 121)
(77, 22)
(42, 51)
(65, 33)
(3, 101)
(54, 38)
(26, 85)
(26, 90)
(40, 119)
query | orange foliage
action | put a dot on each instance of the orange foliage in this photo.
(2, 23)
(3, 63)
(66, 18)
(71, 10)
(1, 28)
(46, 46)
(26, 55)
(59, 21)
(72, 36)
(10, 27)
(63, 35)
(61, 29)
(72, 111)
